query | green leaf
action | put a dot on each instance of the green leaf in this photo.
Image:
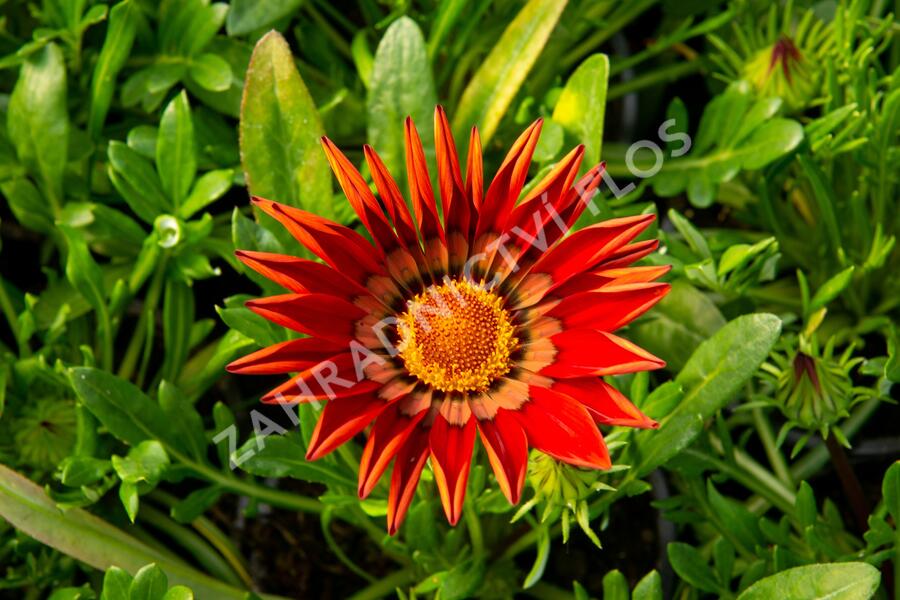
(116, 583)
(540, 561)
(38, 121)
(150, 583)
(280, 131)
(692, 236)
(615, 587)
(93, 541)
(76, 471)
(491, 90)
(648, 588)
(890, 490)
(283, 456)
(250, 324)
(831, 289)
(184, 418)
(838, 581)
(123, 20)
(582, 106)
(401, 86)
(27, 205)
(712, 376)
(246, 16)
(178, 315)
(691, 566)
(208, 188)
(134, 177)
(678, 324)
(179, 592)
(82, 270)
(196, 503)
(211, 72)
(176, 153)
(741, 523)
(123, 409)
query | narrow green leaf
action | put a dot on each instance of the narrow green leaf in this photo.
(134, 177)
(176, 153)
(831, 289)
(38, 121)
(283, 456)
(280, 131)
(178, 314)
(123, 20)
(491, 90)
(91, 540)
(581, 107)
(890, 490)
(540, 561)
(211, 72)
(837, 581)
(691, 566)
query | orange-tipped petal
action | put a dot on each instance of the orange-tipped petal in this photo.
(286, 357)
(301, 275)
(561, 427)
(457, 210)
(507, 449)
(340, 420)
(405, 476)
(475, 171)
(318, 315)
(607, 405)
(609, 307)
(451, 456)
(390, 432)
(420, 189)
(584, 352)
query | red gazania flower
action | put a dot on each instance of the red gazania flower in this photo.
(489, 320)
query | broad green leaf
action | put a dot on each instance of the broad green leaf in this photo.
(582, 106)
(280, 131)
(38, 120)
(116, 583)
(211, 72)
(196, 503)
(837, 581)
(121, 407)
(246, 16)
(615, 586)
(176, 152)
(208, 188)
(27, 205)
(123, 20)
(741, 523)
(714, 373)
(678, 324)
(284, 456)
(145, 462)
(150, 583)
(92, 540)
(134, 177)
(76, 471)
(491, 90)
(179, 592)
(648, 588)
(401, 86)
(250, 324)
(82, 270)
(691, 566)
(184, 418)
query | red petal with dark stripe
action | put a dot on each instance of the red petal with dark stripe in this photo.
(606, 404)
(405, 476)
(286, 357)
(341, 419)
(333, 377)
(420, 190)
(451, 457)
(458, 213)
(392, 199)
(507, 449)
(561, 427)
(301, 275)
(318, 315)
(608, 308)
(583, 352)
(390, 432)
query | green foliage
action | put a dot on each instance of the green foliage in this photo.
(132, 134)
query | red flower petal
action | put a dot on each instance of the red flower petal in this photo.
(392, 199)
(606, 404)
(627, 255)
(361, 199)
(507, 449)
(451, 457)
(339, 246)
(341, 419)
(474, 172)
(561, 427)
(420, 191)
(458, 213)
(301, 275)
(318, 315)
(333, 377)
(286, 357)
(405, 476)
(583, 352)
(608, 308)
(504, 190)
(390, 432)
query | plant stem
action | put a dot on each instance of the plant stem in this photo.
(385, 586)
(7, 307)
(776, 459)
(852, 488)
(473, 524)
(129, 362)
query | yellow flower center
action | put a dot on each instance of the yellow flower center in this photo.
(456, 337)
